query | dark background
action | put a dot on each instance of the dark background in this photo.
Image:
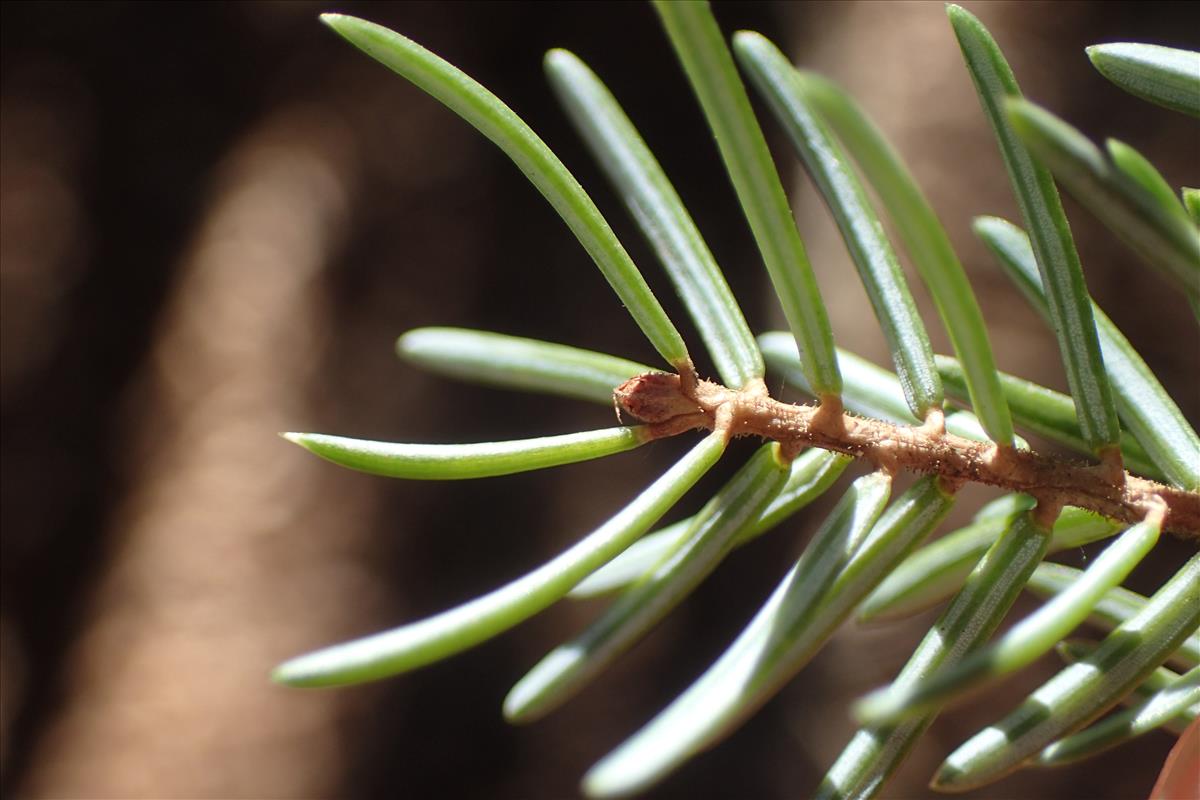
(215, 220)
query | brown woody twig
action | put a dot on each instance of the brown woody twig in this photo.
(671, 406)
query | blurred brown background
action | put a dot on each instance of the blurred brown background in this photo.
(215, 220)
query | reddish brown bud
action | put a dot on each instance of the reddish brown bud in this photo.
(655, 397)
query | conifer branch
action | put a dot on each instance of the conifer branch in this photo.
(670, 407)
